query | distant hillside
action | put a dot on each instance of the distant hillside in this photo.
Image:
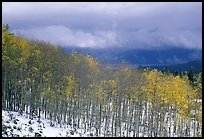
(168, 56)
(196, 65)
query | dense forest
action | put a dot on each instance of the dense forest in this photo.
(41, 79)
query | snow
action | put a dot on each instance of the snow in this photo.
(19, 125)
(42, 128)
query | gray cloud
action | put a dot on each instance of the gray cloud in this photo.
(139, 25)
(64, 36)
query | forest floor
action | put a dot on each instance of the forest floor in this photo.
(15, 124)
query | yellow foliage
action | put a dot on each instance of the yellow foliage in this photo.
(91, 63)
(70, 85)
(171, 90)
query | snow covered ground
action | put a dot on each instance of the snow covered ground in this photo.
(16, 125)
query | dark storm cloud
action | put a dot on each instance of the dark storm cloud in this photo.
(139, 25)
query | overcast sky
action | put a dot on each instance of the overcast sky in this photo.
(100, 25)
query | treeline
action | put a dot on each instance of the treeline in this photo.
(74, 90)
